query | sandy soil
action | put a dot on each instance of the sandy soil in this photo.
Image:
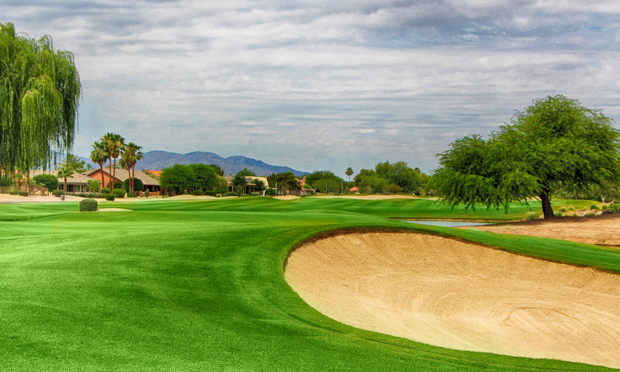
(6, 198)
(600, 230)
(462, 296)
(373, 197)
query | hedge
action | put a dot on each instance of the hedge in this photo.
(119, 193)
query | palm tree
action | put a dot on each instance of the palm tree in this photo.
(349, 173)
(125, 163)
(72, 162)
(99, 156)
(134, 156)
(114, 147)
(65, 172)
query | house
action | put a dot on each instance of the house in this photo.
(78, 182)
(150, 182)
(354, 190)
(250, 185)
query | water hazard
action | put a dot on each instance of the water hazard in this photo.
(449, 223)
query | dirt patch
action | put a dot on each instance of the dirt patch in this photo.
(600, 230)
(462, 296)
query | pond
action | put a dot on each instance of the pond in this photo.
(450, 223)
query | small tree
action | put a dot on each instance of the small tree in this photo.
(259, 186)
(46, 180)
(93, 185)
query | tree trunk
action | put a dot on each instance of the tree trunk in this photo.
(546, 205)
(113, 175)
(102, 179)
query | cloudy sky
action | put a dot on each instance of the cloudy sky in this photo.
(317, 84)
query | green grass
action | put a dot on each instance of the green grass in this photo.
(198, 286)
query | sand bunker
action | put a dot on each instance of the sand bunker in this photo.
(461, 296)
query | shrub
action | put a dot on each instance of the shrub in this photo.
(88, 205)
(109, 197)
(571, 208)
(604, 206)
(609, 211)
(590, 214)
(105, 190)
(562, 209)
(146, 193)
(230, 193)
(58, 193)
(594, 207)
(24, 193)
(138, 185)
(210, 192)
(532, 216)
(82, 195)
(117, 184)
(615, 207)
(197, 193)
(221, 191)
(13, 192)
(270, 192)
(119, 193)
(255, 193)
(557, 214)
(131, 195)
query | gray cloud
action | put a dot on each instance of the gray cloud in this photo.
(318, 84)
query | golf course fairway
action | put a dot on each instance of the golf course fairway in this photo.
(199, 286)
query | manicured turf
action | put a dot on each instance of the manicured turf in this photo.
(198, 286)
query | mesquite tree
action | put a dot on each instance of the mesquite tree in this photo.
(554, 142)
(39, 93)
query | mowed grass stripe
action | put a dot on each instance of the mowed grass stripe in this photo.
(199, 286)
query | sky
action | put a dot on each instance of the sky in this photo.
(324, 85)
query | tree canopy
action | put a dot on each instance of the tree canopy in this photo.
(39, 93)
(556, 141)
(390, 177)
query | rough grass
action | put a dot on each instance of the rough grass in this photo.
(198, 286)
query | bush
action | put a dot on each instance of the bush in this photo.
(105, 190)
(270, 192)
(594, 207)
(571, 208)
(255, 193)
(131, 195)
(13, 192)
(615, 207)
(230, 193)
(532, 216)
(604, 206)
(557, 214)
(58, 193)
(590, 214)
(109, 197)
(609, 211)
(119, 193)
(82, 195)
(24, 193)
(210, 192)
(198, 193)
(88, 205)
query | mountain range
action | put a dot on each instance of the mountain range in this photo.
(156, 160)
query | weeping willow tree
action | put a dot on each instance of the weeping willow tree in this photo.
(39, 96)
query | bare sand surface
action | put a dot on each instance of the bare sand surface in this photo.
(599, 230)
(462, 296)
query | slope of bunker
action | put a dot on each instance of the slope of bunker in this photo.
(462, 296)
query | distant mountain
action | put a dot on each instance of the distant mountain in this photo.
(156, 160)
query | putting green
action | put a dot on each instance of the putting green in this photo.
(198, 286)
